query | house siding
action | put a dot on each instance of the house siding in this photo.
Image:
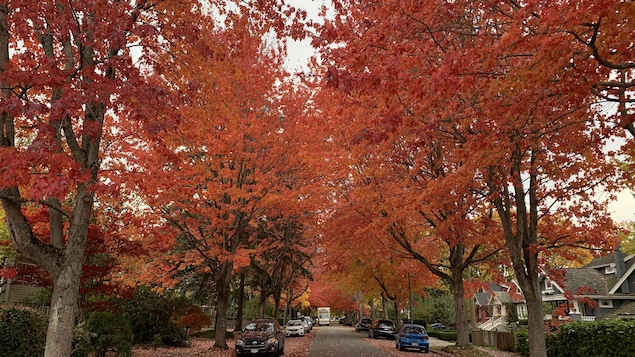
(15, 293)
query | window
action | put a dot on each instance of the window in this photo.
(610, 269)
(26, 273)
(548, 284)
(606, 304)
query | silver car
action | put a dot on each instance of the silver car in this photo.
(294, 328)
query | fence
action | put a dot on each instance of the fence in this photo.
(503, 340)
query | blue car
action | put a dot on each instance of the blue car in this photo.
(412, 336)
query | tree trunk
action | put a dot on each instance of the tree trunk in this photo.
(383, 306)
(460, 313)
(241, 301)
(276, 309)
(536, 326)
(223, 280)
(63, 311)
(262, 301)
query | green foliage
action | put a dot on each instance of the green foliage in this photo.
(437, 306)
(512, 313)
(109, 332)
(522, 341)
(82, 346)
(443, 335)
(22, 332)
(154, 318)
(627, 244)
(612, 338)
(6, 247)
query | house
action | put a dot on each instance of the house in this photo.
(595, 291)
(602, 289)
(23, 287)
(493, 302)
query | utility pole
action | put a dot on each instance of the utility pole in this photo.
(409, 299)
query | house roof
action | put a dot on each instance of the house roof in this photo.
(608, 260)
(503, 297)
(482, 299)
(585, 281)
(625, 312)
(500, 293)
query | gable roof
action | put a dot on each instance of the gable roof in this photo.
(585, 281)
(607, 260)
(613, 281)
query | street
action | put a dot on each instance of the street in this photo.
(338, 340)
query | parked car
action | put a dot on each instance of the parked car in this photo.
(412, 336)
(261, 336)
(294, 328)
(308, 320)
(382, 328)
(437, 326)
(307, 328)
(363, 324)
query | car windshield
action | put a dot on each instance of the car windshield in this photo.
(294, 323)
(385, 323)
(417, 330)
(259, 327)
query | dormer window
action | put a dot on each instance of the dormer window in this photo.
(548, 284)
(609, 269)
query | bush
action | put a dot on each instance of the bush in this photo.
(597, 338)
(109, 332)
(443, 335)
(155, 318)
(195, 319)
(522, 341)
(22, 332)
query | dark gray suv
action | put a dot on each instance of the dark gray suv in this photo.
(363, 324)
(382, 328)
(261, 337)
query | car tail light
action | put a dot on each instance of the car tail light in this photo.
(402, 335)
(425, 337)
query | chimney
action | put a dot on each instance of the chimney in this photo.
(620, 266)
(620, 269)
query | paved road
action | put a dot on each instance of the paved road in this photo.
(338, 340)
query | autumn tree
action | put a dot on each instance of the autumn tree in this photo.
(409, 153)
(281, 256)
(69, 78)
(605, 29)
(228, 162)
(525, 140)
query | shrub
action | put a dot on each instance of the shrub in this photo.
(154, 318)
(22, 332)
(443, 335)
(109, 332)
(522, 341)
(195, 319)
(597, 338)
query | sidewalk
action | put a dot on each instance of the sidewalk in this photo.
(437, 343)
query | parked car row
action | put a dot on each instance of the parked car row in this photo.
(265, 336)
(409, 336)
